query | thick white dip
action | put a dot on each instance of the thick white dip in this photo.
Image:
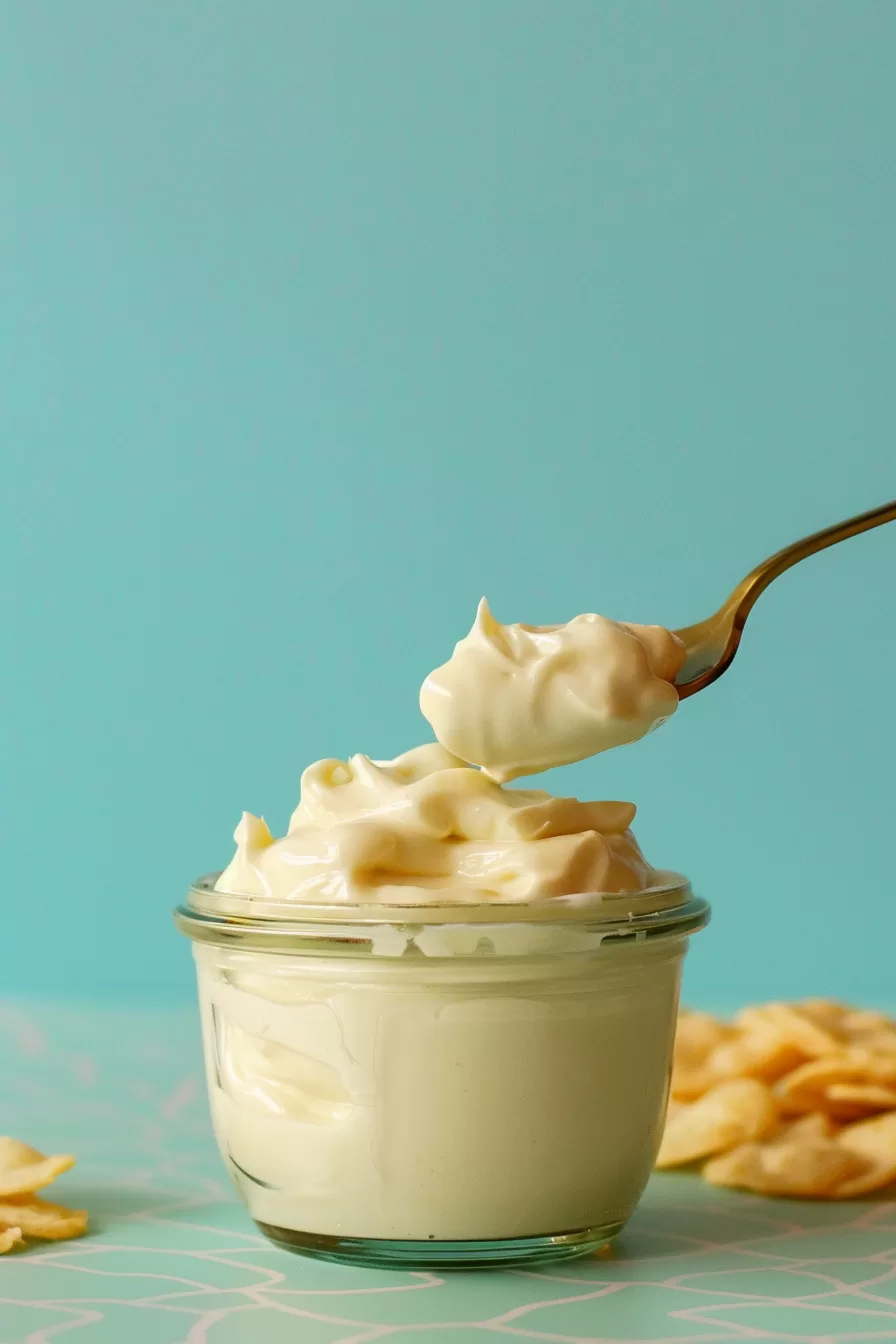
(467, 1098)
(486, 1055)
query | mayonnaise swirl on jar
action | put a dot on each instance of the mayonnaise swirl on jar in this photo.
(518, 699)
(426, 827)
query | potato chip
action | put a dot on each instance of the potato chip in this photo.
(24, 1170)
(796, 1025)
(853, 1100)
(868, 1030)
(815, 1125)
(36, 1218)
(864, 1022)
(690, 1084)
(797, 1166)
(696, 1037)
(875, 1141)
(878, 1042)
(801, 1159)
(9, 1237)
(708, 1052)
(807, 1088)
(830, 1067)
(767, 1042)
(22, 1215)
(757, 1052)
(872, 1138)
(826, 1013)
(879, 1176)
(731, 1113)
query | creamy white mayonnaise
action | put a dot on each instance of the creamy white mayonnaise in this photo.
(466, 1098)
(519, 699)
(425, 827)
(443, 1083)
(513, 699)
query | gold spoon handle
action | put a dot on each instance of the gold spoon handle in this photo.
(756, 582)
(712, 644)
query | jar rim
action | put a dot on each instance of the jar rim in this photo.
(665, 909)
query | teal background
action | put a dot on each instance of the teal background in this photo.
(317, 321)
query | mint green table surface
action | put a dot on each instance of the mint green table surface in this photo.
(173, 1259)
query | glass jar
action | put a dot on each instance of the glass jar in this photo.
(440, 1085)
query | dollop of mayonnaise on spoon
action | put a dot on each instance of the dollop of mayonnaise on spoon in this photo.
(519, 699)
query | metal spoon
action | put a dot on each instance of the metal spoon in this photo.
(712, 644)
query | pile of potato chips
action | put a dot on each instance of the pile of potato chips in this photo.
(24, 1170)
(788, 1099)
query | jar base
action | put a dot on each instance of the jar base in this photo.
(499, 1253)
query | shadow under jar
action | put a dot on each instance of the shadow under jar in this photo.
(440, 1085)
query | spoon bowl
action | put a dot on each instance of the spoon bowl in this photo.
(712, 644)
